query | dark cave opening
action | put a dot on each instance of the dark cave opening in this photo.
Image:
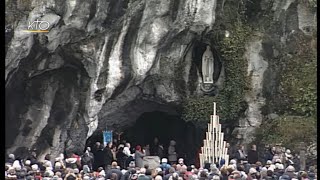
(165, 127)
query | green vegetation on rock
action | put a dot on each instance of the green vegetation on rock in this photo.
(298, 81)
(296, 98)
(288, 130)
(230, 99)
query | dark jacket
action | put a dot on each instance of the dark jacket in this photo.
(167, 176)
(269, 155)
(121, 157)
(271, 178)
(128, 174)
(154, 150)
(278, 173)
(224, 177)
(87, 159)
(98, 159)
(144, 177)
(311, 175)
(108, 156)
(252, 156)
(113, 170)
(238, 157)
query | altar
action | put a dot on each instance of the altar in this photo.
(152, 161)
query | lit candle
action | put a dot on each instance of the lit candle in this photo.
(214, 108)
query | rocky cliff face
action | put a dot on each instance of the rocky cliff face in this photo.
(103, 63)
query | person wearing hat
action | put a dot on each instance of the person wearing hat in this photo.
(279, 169)
(181, 164)
(71, 162)
(16, 165)
(164, 164)
(253, 173)
(27, 165)
(11, 159)
(290, 171)
(268, 164)
(87, 158)
(114, 169)
(288, 157)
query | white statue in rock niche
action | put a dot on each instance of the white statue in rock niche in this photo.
(207, 66)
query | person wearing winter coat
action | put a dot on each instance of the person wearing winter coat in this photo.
(270, 153)
(139, 154)
(172, 155)
(121, 157)
(240, 154)
(154, 148)
(98, 158)
(164, 164)
(108, 156)
(114, 170)
(87, 158)
(253, 155)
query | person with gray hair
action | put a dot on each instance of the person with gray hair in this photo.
(158, 177)
(171, 171)
(11, 159)
(214, 171)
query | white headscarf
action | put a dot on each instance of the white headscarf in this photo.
(16, 164)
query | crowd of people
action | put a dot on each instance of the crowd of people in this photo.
(121, 162)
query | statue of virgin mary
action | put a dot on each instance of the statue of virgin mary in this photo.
(207, 66)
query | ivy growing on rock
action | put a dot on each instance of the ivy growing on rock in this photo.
(298, 82)
(231, 98)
